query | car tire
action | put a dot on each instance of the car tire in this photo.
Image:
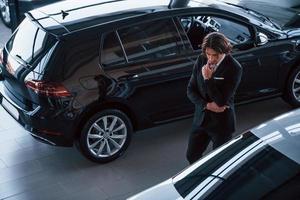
(4, 13)
(292, 91)
(105, 136)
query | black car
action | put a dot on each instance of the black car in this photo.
(12, 11)
(262, 163)
(93, 72)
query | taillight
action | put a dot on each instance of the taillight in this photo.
(47, 88)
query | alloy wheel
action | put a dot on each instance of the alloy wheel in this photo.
(106, 136)
(296, 87)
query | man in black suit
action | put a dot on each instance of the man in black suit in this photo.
(212, 86)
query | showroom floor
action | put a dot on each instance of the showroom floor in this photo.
(30, 170)
(33, 170)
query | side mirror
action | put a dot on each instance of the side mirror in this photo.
(261, 39)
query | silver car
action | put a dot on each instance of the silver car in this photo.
(262, 163)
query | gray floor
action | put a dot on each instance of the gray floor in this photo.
(32, 170)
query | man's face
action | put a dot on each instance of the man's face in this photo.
(213, 57)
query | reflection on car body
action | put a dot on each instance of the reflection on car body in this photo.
(262, 163)
(99, 70)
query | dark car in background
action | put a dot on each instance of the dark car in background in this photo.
(262, 163)
(93, 72)
(12, 11)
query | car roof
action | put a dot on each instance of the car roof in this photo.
(71, 15)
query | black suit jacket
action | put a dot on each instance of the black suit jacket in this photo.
(220, 88)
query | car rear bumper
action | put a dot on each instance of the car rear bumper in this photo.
(47, 130)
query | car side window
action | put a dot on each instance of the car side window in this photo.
(151, 40)
(197, 27)
(235, 32)
(111, 53)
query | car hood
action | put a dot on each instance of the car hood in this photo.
(285, 17)
(164, 190)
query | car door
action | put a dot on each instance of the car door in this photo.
(156, 69)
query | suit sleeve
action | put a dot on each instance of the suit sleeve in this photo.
(222, 96)
(193, 90)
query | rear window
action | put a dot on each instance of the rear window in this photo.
(29, 42)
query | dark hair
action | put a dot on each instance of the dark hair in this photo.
(216, 41)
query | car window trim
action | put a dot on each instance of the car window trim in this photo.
(178, 26)
(122, 46)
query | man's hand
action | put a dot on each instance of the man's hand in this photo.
(207, 71)
(212, 106)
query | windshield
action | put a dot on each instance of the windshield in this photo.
(266, 20)
(28, 42)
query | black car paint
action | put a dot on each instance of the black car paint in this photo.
(142, 90)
